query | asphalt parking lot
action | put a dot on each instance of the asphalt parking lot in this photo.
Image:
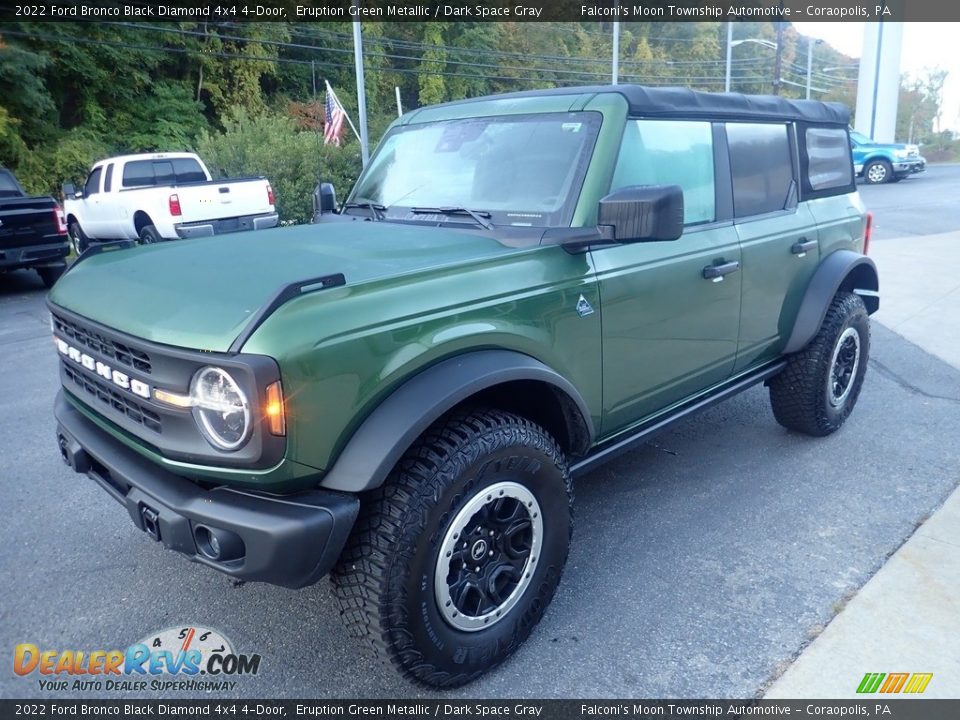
(701, 563)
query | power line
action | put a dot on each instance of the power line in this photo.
(656, 80)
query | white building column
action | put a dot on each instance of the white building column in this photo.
(878, 85)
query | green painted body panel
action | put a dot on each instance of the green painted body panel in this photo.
(231, 276)
(774, 280)
(667, 331)
(415, 295)
(341, 351)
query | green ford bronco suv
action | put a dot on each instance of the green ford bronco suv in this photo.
(518, 288)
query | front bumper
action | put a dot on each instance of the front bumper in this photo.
(910, 167)
(228, 225)
(290, 540)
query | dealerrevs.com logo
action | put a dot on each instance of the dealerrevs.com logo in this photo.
(179, 658)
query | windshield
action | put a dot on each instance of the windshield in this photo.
(860, 139)
(523, 169)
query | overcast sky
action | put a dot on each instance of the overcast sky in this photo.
(925, 45)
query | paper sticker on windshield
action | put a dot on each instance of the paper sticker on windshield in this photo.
(572, 127)
(455, 135)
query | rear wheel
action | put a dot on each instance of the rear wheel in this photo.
(877, 172)
(455, 559)
(78, 239)
(149, 235)
(818, 389)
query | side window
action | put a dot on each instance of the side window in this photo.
(163, 170)
(138, 173)
(92, 186)
(670, 152)
(828, 159)
(188, 170)
(108, 178)
(761, 166)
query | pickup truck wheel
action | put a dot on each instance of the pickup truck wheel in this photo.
(50, 274)
(877, 172)
(78, 239)
(149, 235)
(454, 560)
(818, 389)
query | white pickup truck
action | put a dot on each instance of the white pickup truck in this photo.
(163, 196)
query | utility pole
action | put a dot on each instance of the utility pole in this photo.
(361, 91)
(615, 72)
(726, 84)
(778, 64)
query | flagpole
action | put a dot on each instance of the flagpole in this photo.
(345, 113)
(361, 90)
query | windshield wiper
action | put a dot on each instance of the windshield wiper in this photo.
(376, 209)
(480, 216)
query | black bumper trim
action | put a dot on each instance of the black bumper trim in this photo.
(289, 540)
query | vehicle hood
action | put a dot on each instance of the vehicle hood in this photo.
(201, 293)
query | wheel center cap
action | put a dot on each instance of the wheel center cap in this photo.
(479, 549)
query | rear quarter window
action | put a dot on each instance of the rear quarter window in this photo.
(188, 170)
(828, 163)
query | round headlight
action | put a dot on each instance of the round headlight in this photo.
(220, 408)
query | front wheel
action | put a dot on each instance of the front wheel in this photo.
(455, 559)
(877, 172)
(818, 389)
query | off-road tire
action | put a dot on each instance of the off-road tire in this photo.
(878, 177)
(49, 274)
(149, 235)
(385, 579)
(800, 395)
(78, 239)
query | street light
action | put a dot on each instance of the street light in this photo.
(731, 43)
(810, 43)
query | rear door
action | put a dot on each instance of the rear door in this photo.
(778, 236)
(669, 332)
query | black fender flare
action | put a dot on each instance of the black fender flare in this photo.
(843, 269)
(380, 441)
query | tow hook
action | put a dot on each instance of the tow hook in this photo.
(73, 455)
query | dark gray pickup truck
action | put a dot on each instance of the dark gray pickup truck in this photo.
(33, 232)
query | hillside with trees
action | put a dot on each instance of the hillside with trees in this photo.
(249, 96)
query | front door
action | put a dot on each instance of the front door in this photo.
(669, 328)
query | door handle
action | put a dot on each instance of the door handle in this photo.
(716, 272)
(802, 246)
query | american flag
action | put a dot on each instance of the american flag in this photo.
(333, 116)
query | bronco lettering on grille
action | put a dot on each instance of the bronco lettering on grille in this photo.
(120, 379)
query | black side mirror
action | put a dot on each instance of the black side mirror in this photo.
(324, 199)
(642, 213)
(69, 190)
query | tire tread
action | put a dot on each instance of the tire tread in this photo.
(381, 546)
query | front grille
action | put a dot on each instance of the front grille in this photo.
(99, 343)
(113, 398)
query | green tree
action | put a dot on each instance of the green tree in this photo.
(294, 160)
(432, 86)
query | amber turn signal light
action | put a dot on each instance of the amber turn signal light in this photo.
(274, 411)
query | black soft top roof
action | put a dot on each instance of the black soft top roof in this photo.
(683, 102)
